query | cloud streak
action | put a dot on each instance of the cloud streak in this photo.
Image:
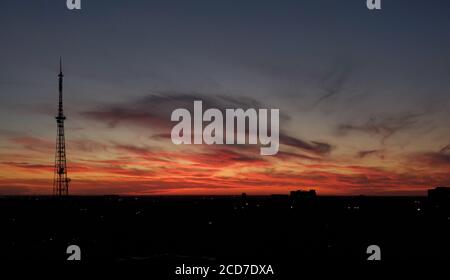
(383, 126)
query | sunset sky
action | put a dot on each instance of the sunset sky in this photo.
(364, 96)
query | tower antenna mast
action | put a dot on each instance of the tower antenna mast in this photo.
(60, 181)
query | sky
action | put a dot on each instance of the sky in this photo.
(363, 95)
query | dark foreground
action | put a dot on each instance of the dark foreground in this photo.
(232, 230)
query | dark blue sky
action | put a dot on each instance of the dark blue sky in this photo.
(272, 50)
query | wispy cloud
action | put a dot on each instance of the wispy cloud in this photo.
(437, 159)
(334, 83)
(315, 147)
(384, 126)
(155, 109)
(367, 153)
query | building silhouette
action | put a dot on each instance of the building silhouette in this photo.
(301, 198)
(439, 194)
